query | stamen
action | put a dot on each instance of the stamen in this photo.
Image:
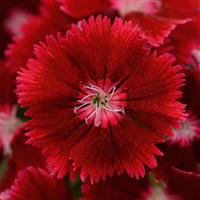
(112, 109)
(84, 98)
(83, 105)
(90, 115)
(94, 88)
(97, 103)
(112, 92)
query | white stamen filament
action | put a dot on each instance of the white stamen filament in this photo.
(112, 109)
(94, 88)
(90, 115)
(77, 108)
(84, 98)
(113, 91)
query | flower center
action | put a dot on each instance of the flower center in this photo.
(101, 106)
(8, 123)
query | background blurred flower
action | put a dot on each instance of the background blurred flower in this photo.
(50, 21)
(35, 183)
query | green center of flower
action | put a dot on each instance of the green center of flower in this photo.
(100, 101)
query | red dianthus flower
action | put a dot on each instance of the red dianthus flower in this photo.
(35, 183)
(99, 100)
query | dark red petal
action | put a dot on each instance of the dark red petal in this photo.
(147, 7)
(185, 38)
(191, 89)
(81, 8)
(56, 136)
(6, 85)
(97, 47)
(6, 9)
(23, 155)
(186, 184)
(50, 21)
(59, 73)
(105, 151)
(78, 140)
(34, 183)
(179, 9)
(117, 187)
(152, 102)
(174, 155)
(155, 29)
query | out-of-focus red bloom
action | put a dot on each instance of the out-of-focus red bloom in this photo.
(146, 14)
(117, 187)
(23, 155)
(50, 21)
(82, 8)
(186, 41)
(179, 9)
(159, 192)
(185, 38)
(8, 124)
(8, 109)
(155, 29)
(7, 8)
(127, 188)
(158, 18)
(185, 184)
(184, 158)
(190, 128)
(37, 184)
(100, 99)
(191, 94)
(15, 21)
(189, 131)
(130, 6)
